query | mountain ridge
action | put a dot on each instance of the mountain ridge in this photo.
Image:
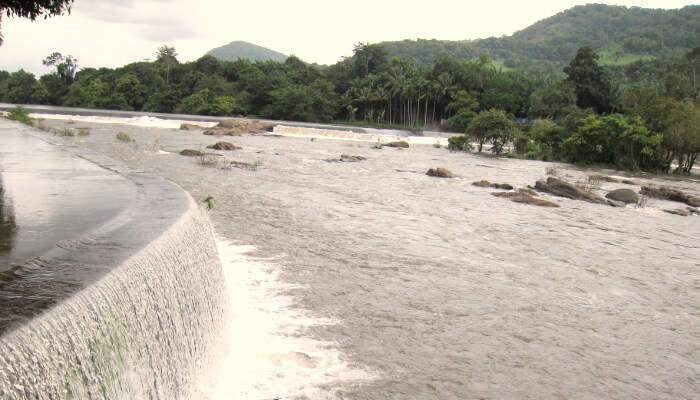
(242, 49)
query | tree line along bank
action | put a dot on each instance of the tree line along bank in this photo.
(643, 116)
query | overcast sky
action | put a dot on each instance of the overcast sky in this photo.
(112, 33)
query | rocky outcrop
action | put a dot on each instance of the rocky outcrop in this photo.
(669, 193)
(191, 153)
(237, 127)
(400, 144)
(440, 173)
(224, 146)
(624, 195)
(485, 183)
(559, 187)
(522, 197)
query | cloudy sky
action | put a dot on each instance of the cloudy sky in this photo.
(116, 32)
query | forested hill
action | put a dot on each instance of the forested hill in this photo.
(239, 49)
(620, 35)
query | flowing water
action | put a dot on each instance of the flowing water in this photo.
(371, 280)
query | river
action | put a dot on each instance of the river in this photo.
(371, 280)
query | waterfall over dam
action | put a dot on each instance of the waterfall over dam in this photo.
(133, 308)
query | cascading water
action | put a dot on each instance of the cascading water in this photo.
(147, 322)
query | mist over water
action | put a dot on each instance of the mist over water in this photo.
(434, 288)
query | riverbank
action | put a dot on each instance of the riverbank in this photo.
(436, 288)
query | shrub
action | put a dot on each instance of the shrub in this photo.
(459, 143)
(124, 137)
(20, 114)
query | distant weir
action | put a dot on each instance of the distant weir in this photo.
(149, 320)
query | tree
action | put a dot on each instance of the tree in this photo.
(65, 66)
(34, 9)
(463, 105)
(616, 140)
(492, 126)
(166, 58)
(682, 136)
(589, 80)
(368, 59)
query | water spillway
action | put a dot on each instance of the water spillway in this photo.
(129, 304)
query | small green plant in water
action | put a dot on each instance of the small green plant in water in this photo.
(20, 114)
(65, 132)
(209, 201)
(124, 137)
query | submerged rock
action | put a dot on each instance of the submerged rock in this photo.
(602, 178)
(350, 158)
(440, 173)
(623, 195)
(224, 146)
(190, 127)
(485, 183)
(559, 187)
(669, 193)
(191, 153)
(400, 144)
(521, 197)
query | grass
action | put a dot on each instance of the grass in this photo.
(20, 114)
(83, 131)
(124, 137)
(616, 56)
(65, 132)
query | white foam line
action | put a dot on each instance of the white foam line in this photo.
(269, 356)
(143, 121)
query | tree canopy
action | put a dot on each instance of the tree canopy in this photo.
(33, 9)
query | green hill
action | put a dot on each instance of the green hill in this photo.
(239, 49)
(620, 35)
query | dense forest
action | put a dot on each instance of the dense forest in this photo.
(644, 115)
(620, 35)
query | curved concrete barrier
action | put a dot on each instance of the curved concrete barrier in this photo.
(149, 320)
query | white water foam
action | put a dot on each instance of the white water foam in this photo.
(269, 357)
(143, 121)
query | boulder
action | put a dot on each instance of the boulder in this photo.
(524, 198)
(482, 183)
(502, 186)
(191, 153)
(190, 127)
(400, 144)
(440, 173)
(623, 195)
(224, 146)
(559, 187)
(669, 193)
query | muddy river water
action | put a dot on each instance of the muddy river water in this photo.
(413, 287)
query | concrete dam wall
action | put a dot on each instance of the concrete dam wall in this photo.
(139, 309)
